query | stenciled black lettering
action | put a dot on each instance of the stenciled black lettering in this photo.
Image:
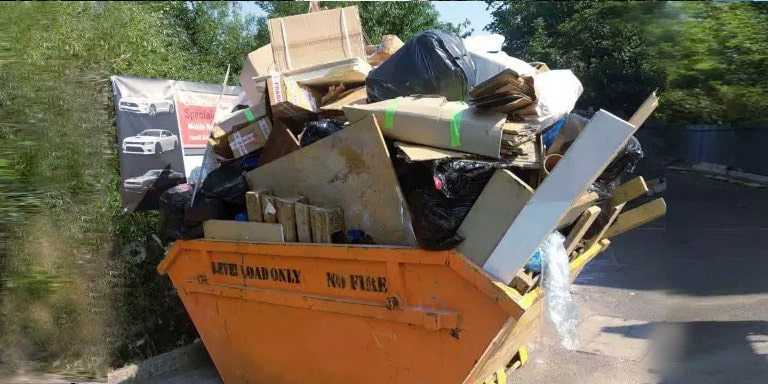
(274, 274)
(354, 282)
(282, 276)
(382, 284)
(232, 269)
(335, 281)
(296, 276)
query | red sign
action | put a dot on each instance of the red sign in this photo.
(196, 112)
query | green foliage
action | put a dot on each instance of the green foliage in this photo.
(602, 42)
(708, 59)
(404, 19)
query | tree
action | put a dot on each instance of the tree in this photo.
(602, 42)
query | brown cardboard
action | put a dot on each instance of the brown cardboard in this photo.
(257, 63)
(319, 37)
(299, 92)
(428, 121)
(250, 138)
(355, 96)
(239, 119)
(414, 152)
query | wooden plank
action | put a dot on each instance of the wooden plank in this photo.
(493, 212)
(286, 215)
(581, 227)
(585, 160)
(303, 226)
(577, 209)
(629, 191)
(268, 208)
(636, 217)
(242, 231)
(350, 169)
(599, 236)
(645, 110)
(253, 205)
(325, 222)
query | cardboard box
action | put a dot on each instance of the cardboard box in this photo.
(239, 119)
(299, 92)
(313, 38)
(435, 122)
(257, 63)
(250, 138)
(352, 97)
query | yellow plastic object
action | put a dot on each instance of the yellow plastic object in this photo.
(300, 313)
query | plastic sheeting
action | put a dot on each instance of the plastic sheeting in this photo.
(560, 307)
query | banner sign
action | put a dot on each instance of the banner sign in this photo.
(163, 128)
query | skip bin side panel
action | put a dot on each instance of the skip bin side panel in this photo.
(259, 332)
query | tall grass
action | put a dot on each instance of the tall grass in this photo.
(70, 299)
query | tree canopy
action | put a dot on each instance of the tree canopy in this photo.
(706, 58)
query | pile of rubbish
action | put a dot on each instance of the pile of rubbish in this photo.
(438, 142)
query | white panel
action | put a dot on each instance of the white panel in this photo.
(584, 161)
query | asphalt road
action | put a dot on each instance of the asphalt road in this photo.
(680, 300)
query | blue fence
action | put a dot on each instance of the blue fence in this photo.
(745, 148)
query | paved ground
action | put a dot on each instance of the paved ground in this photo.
(681, 300)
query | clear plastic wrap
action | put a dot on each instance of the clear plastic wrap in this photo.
(431, 63)
(560, 307)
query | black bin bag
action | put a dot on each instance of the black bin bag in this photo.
(432, 63)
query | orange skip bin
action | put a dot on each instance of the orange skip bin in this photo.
(327, 314)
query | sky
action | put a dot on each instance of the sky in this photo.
(450, 11)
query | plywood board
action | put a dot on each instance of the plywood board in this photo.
(415, 152)
(645, 110)
(350, 170)
(636, 217)
(595, 147)
(242, 231)
(493, 212)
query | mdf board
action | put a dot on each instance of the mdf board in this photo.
(493, 212)
(350, 169)
(242, 231)
(584, 161)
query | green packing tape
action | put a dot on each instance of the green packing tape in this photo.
(249, 115)
(455, 128)
(389, 114)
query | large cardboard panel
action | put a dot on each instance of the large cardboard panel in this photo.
(351, 170)
(435, 122)
(319, 37)
(492, 214)
(595, 147)
(257, 63)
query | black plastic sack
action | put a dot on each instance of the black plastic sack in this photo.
(316, 130)
(227, 184)
(173, 203)
(623, 164)
(440, 195)
(432, 63)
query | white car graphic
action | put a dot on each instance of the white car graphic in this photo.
(151, 141)
(154, 180)
(146, 105)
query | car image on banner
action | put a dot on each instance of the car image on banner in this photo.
(146, 105)
(150, 142)
(154, 179)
